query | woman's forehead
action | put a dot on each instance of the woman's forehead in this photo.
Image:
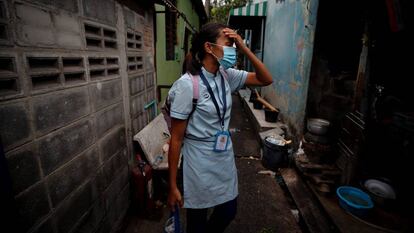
(223, 38)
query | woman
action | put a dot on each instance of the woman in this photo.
(209, 171)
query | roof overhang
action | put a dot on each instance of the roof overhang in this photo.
(256, 9)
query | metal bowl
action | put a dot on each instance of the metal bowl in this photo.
(381, 192)
(318, 126)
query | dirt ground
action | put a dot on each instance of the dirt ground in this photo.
(262, 205)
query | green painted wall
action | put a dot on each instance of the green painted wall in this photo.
(169, 71)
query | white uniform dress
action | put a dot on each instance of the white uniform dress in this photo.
(210, 178)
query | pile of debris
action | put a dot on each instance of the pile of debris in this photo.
(324, 177)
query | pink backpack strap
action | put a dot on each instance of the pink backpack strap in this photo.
(224, 73)
(196, 92)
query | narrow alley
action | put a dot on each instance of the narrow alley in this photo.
(323, 100)
(262, 204)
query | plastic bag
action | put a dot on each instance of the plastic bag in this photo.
(173, 225)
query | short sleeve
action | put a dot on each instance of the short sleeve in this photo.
(180, 97)
(236, 78)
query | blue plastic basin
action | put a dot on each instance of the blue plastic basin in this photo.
(354, 200)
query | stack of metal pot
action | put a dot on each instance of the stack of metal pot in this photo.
(316, 142)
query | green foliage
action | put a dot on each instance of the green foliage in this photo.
(220, 9)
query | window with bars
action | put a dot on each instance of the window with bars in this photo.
(170, 32)
(103, 68)
(135, 63)
(98, 37)
(134, 40)
(9, 81)
(55, 72)
(4, 34)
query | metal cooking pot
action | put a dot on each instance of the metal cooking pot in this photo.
(381, 192)
(318, 126)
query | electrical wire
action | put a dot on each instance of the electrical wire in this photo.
(182, 15)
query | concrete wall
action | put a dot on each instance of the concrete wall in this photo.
(169, 71)
(140, 68)
(290, 28)
(74, 77)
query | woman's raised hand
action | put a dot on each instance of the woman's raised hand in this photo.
(235, 37)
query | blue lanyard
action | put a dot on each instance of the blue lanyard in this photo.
(223, 92)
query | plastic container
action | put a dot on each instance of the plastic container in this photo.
(173, 223)
(271, 116)
(274, 156)
(257, 104)
(253, 96)
(142, 199)
(354, 200)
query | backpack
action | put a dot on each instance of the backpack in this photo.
(165, 109)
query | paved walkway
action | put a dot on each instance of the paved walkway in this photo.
(262, 206)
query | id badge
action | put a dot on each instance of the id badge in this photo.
(222, 140)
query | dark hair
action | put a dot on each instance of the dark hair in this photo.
(208, 33)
